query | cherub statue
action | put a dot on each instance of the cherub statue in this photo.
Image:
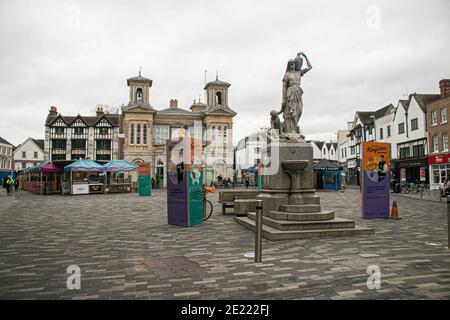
(275, 122)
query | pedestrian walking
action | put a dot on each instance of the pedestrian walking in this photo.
(247, 181)
(4, 182)
(16, 184)
(9, 186)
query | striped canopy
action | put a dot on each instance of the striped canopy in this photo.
(84, 165)
(119, 166)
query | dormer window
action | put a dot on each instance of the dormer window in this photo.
(139, 95)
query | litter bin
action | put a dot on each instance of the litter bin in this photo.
(397, 188)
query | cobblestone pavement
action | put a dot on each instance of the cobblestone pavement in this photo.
(126, 250)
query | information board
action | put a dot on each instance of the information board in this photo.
(375, 196)
(144, 182)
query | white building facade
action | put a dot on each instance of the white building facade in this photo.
(28, 154)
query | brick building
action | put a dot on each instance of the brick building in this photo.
(438, 129)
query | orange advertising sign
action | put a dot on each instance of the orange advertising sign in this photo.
(144, 169)
(376, 157)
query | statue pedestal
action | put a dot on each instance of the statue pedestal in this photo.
(292, 181)
(290, 207)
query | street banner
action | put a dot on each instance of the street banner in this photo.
(375, 196)
(144, 181)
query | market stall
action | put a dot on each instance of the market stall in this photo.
(84, 177)
(328, 175)
(116, 179)
(51, 178)
(32, 178)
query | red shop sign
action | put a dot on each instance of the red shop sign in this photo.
(439, 158)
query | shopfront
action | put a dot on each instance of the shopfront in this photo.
(439, 169)
(353, 171)
(414, 171)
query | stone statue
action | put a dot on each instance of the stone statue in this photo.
(292, 104)
(275, 122)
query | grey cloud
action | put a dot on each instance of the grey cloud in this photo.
(47, 58)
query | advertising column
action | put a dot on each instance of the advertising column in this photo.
(375, 182)
(145, 179)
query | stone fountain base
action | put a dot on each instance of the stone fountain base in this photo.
(291, 209)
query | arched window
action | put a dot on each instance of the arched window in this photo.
(138, 134)
(137, 161)
(218, 97)
(139, 95)
(132, 133)
(144, 133)
(225, 135)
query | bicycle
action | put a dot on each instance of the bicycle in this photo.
(207, 213)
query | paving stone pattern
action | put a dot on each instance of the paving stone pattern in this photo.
(126, 250)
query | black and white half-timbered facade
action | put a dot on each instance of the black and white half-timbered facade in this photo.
(80, 137)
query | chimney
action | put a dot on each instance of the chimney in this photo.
(444, 85)
(99, 111)
(349, 125)
(53, 112)
(173, 103)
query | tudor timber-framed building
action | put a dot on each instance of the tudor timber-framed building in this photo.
(69, 138)
(146, 129)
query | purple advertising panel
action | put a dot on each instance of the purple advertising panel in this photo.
(177, 199)
(375, 196)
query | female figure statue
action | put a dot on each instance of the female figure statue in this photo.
(292, 105)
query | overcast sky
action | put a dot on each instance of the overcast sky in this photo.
(77, 54)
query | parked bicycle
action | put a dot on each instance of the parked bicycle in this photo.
(412, 188)
(207, 204)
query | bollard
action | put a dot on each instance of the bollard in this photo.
(258, 231)
(448, 222)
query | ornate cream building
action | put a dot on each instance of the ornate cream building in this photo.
(146, 129)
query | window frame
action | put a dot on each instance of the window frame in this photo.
(401, 126)
(414, 124)
(442, 115)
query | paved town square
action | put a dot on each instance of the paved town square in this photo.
(126, 250)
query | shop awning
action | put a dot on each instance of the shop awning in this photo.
(326, 165)
(50, 167)
(35, 168)
(84, 165)
(119, 166)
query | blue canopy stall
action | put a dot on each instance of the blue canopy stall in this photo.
(86, 177)
(328, 175)
(115, 178)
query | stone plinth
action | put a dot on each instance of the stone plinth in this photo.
(243, 206)
(291, 210)
(276, 186)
